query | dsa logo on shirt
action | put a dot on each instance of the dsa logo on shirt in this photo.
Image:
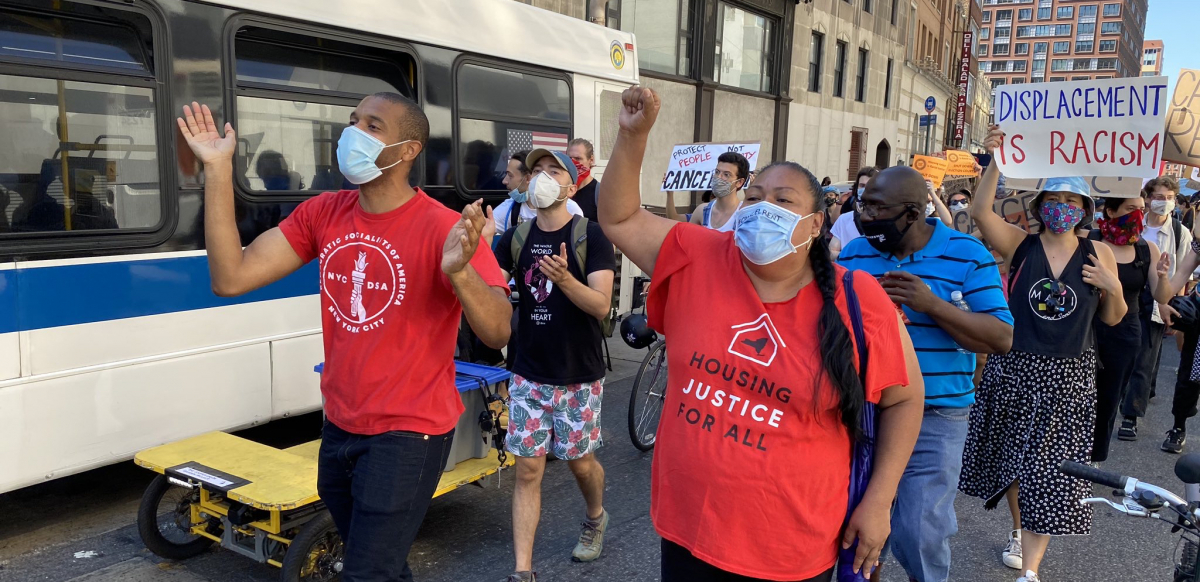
(757, 341)
(362, 277)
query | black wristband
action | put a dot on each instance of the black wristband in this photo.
(1196, 247)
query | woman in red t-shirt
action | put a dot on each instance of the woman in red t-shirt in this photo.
(752, 461)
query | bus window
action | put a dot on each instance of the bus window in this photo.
(77, 155)
(75, 41)
(295, 94)
(501, 112)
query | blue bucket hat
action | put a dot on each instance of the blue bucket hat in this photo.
(1073, 185)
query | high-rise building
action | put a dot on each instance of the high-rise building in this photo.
(1152, 58)
(1031, 41)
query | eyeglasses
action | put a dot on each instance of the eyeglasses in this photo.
(872, 209)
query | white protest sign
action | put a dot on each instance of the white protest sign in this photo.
(1101, 186)
(692, 165)
(1103, 127)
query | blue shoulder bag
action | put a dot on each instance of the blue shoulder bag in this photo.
(862, 451)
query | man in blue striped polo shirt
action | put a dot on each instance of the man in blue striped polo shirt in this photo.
(932, 272)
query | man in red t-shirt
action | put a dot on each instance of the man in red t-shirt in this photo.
(397, 270)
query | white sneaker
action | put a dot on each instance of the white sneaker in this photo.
(1011, 556)
(1029, 577)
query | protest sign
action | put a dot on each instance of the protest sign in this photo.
(1102, 186)
(931, 168)
(1182, 142)
(1102, 127)
(960, 163)
(692, 165)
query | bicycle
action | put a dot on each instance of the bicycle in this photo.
(1141, 499)
(650, 384)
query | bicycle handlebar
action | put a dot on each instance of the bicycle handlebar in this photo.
(1089, 473)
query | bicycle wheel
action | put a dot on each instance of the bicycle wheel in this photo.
(646, 401)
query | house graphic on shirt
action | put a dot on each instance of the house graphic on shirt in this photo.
(757, 341)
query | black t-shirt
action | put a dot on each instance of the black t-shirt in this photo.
(557, 342)
(1051, 317)
(586, 199)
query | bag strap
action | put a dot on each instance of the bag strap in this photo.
(707, 214)
(1018, 260)
(1141, 257)
(514, 212)
(860, 335)
(579, 226)
(518, 240)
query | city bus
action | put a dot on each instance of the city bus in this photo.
(111, 339)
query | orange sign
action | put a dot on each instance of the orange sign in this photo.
(933, 169)
(960, 163)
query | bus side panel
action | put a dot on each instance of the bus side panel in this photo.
(65, 425)
(295, 387)
(10, 344)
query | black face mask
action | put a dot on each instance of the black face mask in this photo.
(882, 233)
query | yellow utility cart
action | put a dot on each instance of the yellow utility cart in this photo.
(262, 502)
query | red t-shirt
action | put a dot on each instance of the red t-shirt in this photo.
(752, 463)
(389, 314)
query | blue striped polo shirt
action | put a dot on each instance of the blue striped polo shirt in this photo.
(951, 261)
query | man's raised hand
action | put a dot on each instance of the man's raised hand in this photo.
(200, 131)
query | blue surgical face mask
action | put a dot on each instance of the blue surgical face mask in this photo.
(518, 196)
(357, 152)
(763, 232)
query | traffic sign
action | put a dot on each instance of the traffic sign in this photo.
(930, 104)
(928, 120)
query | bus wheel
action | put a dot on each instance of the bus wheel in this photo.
(316, 554)
(165, 520)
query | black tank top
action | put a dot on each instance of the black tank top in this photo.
(1133, 276)
(1051, 317)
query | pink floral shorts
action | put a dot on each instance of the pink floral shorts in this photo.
(542, 415)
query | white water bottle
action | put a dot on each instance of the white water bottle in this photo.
(956, 298)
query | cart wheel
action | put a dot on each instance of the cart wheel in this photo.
(316, 553)
(164, 520)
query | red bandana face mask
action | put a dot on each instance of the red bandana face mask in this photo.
(584, 172)
(1122, 230)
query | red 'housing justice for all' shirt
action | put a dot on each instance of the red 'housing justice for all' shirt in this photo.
(389, 314)
(752, 463)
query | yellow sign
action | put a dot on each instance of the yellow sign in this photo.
(617, 53)
(960, 163)
(933, 169)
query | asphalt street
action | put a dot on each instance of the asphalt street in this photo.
(82, 528)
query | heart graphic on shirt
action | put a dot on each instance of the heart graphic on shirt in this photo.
(539, 285)
(757, 341)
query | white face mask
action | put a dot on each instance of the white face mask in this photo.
(956, 206)
(544, 191)
(1162, 207)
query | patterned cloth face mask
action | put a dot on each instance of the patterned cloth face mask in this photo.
(1122, 230)
(1060, 217)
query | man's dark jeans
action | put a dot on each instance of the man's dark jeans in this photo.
(378, 488)
(1145, 376)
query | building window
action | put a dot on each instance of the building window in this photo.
(1084, 46)
(1151, 58)
(860, 89)
(1110, 28)
(1057, 79)
(1087, 28)
(1108, 46)
(839, 70)
(997, 83)
(1025, 14)
(887, 87)
(1062, 30)
(1039, 67)
(744, 48)
(1112, 9)
(1065, 12)
(985, 33)
(1003, 15)
(664, 34)
(1039, 48)
(1062, 47)
(1045, 13)
(1088, 11)
(1003, 32)
(1019, 66)
(866, 5)
(987, 16)
(1016, 81)
(982, 51)
(1000, 49)
(816, 52)
(1022, 48)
